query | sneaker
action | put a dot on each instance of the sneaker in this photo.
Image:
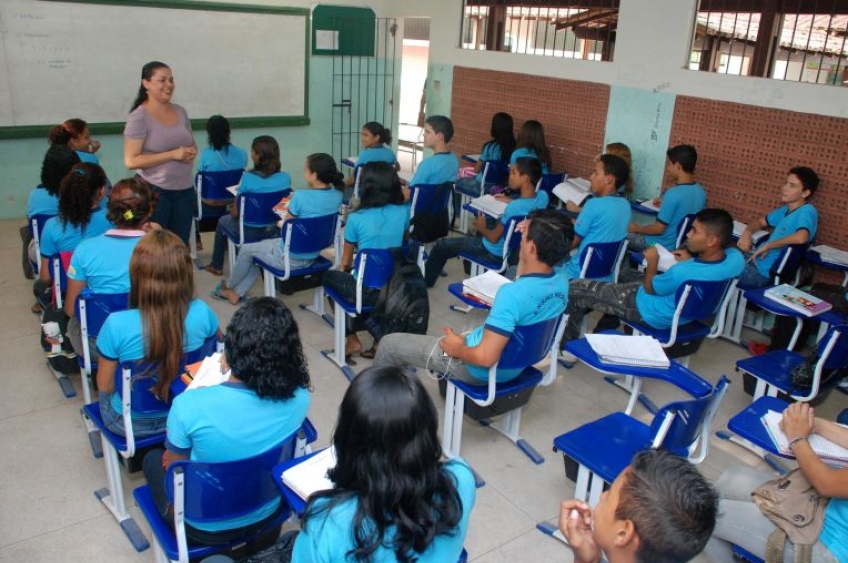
(757, 348)
(567, 357)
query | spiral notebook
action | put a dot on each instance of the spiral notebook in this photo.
(830, 453)
(311, 475)
(641, 351)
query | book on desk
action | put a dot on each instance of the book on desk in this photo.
(310, 475)
(830, 453)
(832, 255)
(575, 190)
(489, 205)
(484, 287)
(739, 228)
(797, 300)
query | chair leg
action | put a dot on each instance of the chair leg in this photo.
(337, 354)
(510, 426)
(269, 283)
(64, 383)
(232, 250)
(730, 320)
(420, 258)
(159, 555)
(317, 306)
(551, 529)
(192, 240)
(112, 498)
(93, 436)
(595, 490)
(631, 385)
(581, 487)
(452, 431)
(756, 450)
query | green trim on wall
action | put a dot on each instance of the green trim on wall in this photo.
(195, 5)
(355, 28)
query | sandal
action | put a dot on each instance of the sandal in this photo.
(369, 353)
(213, 270)
(216, 294)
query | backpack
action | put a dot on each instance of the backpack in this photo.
(427, 225)
(403, 304)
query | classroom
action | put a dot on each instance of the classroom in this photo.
(749, 131)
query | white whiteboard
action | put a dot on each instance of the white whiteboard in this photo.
(63, 59)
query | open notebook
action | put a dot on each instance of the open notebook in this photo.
(310, 475)
(830, 453)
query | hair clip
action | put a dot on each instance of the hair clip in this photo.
(128, 214)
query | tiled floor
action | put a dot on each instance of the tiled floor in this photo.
(48, 512)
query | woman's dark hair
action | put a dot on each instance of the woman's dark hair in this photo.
(131, 203)
(77, 193)
(58, 161)
(503, 134)
(379, 185)
(325, 168)
(63, 133)
(532, 136)
(147, 72)
(263, 349)
(267, 155)
(218, 129)
(376, 128)
(389, 460)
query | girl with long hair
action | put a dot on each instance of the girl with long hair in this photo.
(376, 143)
(531, 142)
(164, 321)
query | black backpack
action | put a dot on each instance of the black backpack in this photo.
(432, 217)
(403, 304)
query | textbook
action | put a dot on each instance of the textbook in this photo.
(832, 255)
(739, 228)
(310, 475)
(488, 205)
(830, 453)
(233, 189)
(205, 373)
(575, 190)
(485, 286)
(797, 300)
(620, 349)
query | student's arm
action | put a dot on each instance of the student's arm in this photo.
(170, 457)
(74, 289)
(744, 243)
(492, 235)
(484, 354)
(801, 236)
(652, 259)
(832, 431)
(798, 422)
(573, 207)
(655, 228)
(45, 272)
(134, 159)
(106, 369)
(576, 242)
(346, 264)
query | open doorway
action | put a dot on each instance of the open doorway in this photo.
(415, 55)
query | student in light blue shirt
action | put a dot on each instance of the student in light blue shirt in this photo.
(221, 155)
(500, 148)
(443, 166)
(531, 143)
(686, 197)
(264, 401)
(376, 144)
(74, 133)
(604, 218)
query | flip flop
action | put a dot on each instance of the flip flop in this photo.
(213, 270)
(369, 353)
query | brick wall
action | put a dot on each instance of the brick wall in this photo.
(574, 113)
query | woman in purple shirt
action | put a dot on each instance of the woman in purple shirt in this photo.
(159, 146)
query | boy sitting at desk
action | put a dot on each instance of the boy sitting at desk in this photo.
(685, 197)
(443, 166)
(652, 301)
(537, 295)
(523, 176)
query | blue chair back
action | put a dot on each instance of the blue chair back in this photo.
(514, 236)
(549, 181)
(495, 172)
(217, 491)
(683, 229)
(703, 299)
(430, 198)
(258, 209)
(213, 185)
(785, 268)
(377, 269)
(36, 224)
(310, 234)
(98, 306)
(689, 419)
(602, 258)
(838, 357)
(529, 344)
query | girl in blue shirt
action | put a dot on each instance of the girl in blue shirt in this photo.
(221, 155)
(531, 142)
(74, 133)
(500, 147)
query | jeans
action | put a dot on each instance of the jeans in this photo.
(617, 299)
(146, 426)
(245, 272)
(250, 233)
(175, 210)
(420, 351)
(448, 248)
(344, 284)
(740, 522)
(751, 277)
(636, 243)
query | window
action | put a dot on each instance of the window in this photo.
(554, 28)
(795, 40)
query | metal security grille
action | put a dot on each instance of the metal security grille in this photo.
(363, 89)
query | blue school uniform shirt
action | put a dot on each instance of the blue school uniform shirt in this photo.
(526, 152)
(252, 425)
(835, 529)
(603, 219)
(515, 208)
(57, 237)
(530, 299)
(380, 153)
(784, 224)
(88, 157)
(103, 262)
(229, 157)
(314, 202)
(121, 337)
(658, 310)
(327, 537)
(490, 151)
(252, 183)
(678, 202)
(440, 168)
(377, 227)
(40, 202)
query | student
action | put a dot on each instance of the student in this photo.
(159, 146)
(684, 198)
(380, 221)
(531, 143)
(102, 263)
(625, 190)
(500, 147)
(538, 294)
(221, 155)
(79, 217)
(385, 506)
(523, 176)
(376, 145)
(741, 522)
(651, 301)
(658, 510)
(164, 321)
(323, 197)
(443, 166)
(795, 222)
(265, 399)
(265, 177)
(74, 133)
(605, 217)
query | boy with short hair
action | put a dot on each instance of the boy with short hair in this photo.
(684, 198)
(443, 166)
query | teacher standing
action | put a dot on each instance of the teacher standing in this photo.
(159, 146)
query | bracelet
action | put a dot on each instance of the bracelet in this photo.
(794, 441)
